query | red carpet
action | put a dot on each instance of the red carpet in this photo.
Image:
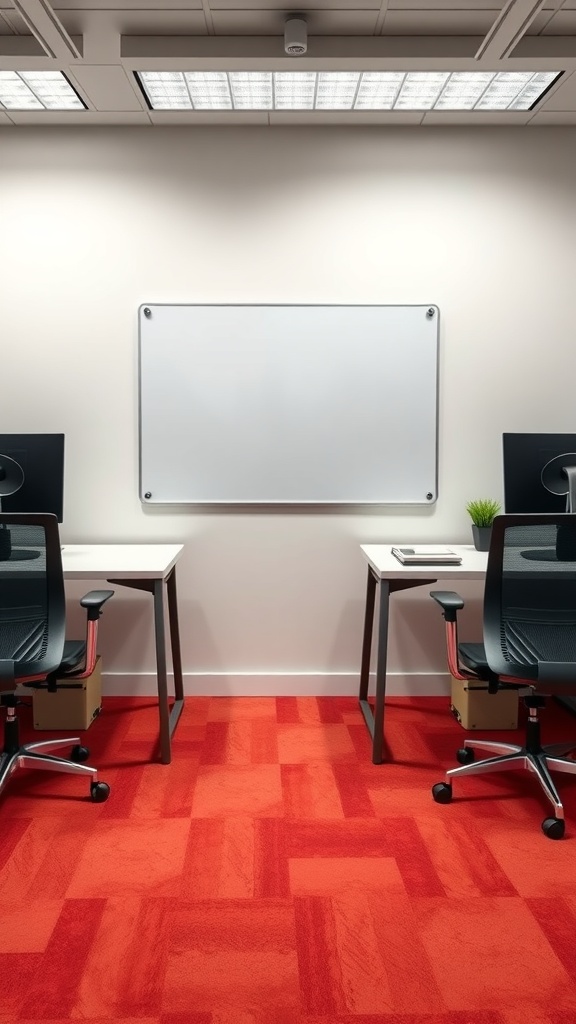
(272, 875)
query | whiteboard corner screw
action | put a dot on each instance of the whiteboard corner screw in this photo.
(147, 312)
(429, 312)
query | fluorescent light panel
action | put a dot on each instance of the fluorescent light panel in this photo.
(344, 90)
(37, 90)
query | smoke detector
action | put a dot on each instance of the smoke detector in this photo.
(295, 35)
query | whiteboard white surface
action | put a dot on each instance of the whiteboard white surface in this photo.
(302, 404)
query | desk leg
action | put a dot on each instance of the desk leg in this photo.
(367, 639)
(168, 716)
(375, 719)
(162, 672)
(382, 659)
(175, 647)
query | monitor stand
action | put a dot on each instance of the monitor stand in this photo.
(22, 555)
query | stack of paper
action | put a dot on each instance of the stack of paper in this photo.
(426, 554)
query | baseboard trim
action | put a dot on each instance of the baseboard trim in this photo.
(415, 684)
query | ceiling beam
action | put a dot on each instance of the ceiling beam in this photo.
(508, 29)
(365, 53)
(7, 19)
(101, 40)
(271, 48)
(208, 17)
(379, 26)
(47, 29)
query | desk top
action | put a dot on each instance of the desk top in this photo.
(386, 566)
(121, 561)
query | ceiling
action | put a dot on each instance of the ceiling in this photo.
(99, 44)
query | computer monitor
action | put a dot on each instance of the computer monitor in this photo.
(539, 472)
(32, 473)
(31, 480)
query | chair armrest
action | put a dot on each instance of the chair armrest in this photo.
(449, 601)
(93, 602)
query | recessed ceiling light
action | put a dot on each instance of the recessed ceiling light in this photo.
(345, 90)
(37, 90)
(294, 90)
(209, 90)
(251, 90)
(166, 90)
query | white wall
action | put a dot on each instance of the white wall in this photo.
(93, 223)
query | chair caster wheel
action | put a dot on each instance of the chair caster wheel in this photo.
(465, 755)
(99, 792)
(442, 792)
(554, 828)
(79, 753)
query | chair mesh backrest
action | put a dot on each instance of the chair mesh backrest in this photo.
(530, 598)
(31, 598)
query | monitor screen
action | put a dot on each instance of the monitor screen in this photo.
(32, 473)
(539, 471)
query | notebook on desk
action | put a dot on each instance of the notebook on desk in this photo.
(426, 554)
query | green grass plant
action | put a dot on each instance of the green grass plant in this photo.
(482, 511)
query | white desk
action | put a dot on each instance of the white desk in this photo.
(152, 568)
(386, 572)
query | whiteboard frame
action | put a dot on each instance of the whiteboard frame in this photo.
(147, 499)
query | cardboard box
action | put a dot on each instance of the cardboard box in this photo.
(478, 709)
(69, 708)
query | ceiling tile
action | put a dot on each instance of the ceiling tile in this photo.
(320, 23)
(338, 117)
(137, 23)
(305, 6)
(200, 117)
(445, 5)
(438, 23)
(10, 21)
(504, 118)
(539, 23)
(125, 5)
(554, 117)
(86, 117)
(563, 23)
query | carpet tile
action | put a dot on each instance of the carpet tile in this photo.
(271, 874)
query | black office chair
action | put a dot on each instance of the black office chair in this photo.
(33, 649)
(529, 645)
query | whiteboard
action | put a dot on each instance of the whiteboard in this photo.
(300, 404)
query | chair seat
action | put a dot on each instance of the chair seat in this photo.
(473, 657)
(74, 653)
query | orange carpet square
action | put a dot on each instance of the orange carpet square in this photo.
(127, 858)
(305, 743)
(516, 954)
(329, 876)
(232, 954)
(243, 789)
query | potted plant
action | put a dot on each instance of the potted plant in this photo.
(482, 512)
